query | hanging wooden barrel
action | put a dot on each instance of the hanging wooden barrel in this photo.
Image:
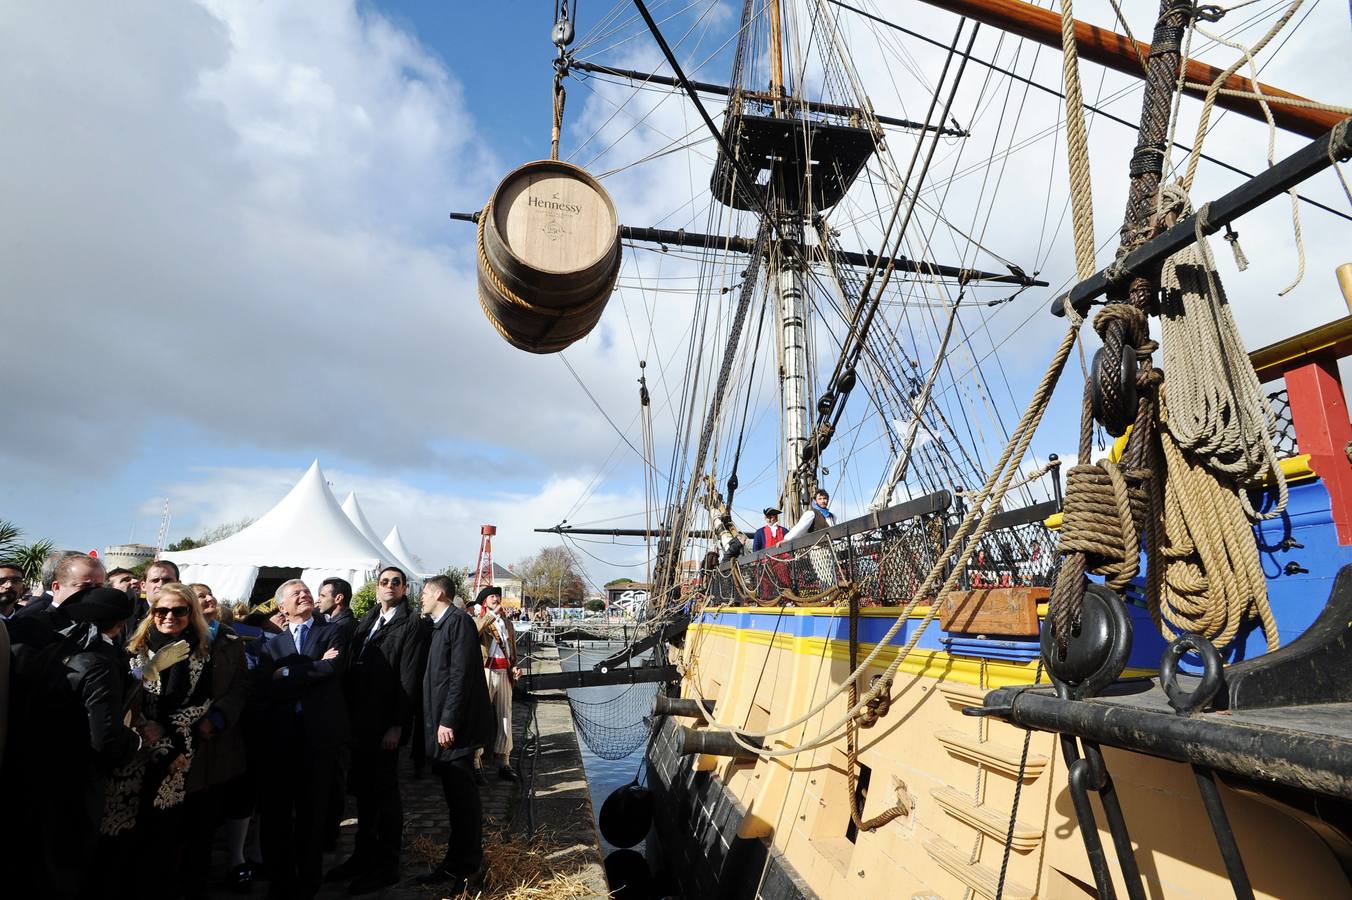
(549, 254)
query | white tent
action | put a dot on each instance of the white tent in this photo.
(395, 541)
(352, 509)
(306, 531)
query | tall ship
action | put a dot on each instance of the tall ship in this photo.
(1120, 671)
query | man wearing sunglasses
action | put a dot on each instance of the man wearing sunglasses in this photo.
(382, 682)
(304, 721)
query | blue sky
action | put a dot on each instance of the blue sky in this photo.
(226, 254)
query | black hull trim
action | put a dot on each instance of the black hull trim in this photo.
(695, 820)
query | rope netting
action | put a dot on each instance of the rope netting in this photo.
(615, 727)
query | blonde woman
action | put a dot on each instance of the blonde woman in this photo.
(144, 803)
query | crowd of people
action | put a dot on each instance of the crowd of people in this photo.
(147, 722)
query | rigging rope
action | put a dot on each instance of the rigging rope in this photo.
(959, 550)
(1077, 148)
(869, 717)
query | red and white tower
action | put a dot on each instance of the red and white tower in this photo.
(483, 572)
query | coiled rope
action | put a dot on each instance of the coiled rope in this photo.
(1217, 410)
(1210, 582)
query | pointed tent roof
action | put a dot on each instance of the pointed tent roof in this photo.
(352, 508)
(395, 541)
(306, 529)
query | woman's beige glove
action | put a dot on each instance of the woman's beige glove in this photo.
(167, 656)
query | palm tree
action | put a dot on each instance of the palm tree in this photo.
(9, 539)
(28, 557)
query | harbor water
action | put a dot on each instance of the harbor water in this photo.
(605, 775)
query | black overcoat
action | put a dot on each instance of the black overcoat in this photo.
(384, 676)
(455, 693)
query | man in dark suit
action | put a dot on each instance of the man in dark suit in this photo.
(304, 720)
(457, 720)
(382, 682)
(335, 604)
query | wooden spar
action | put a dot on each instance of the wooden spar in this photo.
(776, 54)
(1108, 48)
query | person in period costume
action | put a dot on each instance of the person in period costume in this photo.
(144, 811)
(219, 788)
(498, 638)
(818, 517)
(304, 721)
(774, 570)
(457, 719)
(770, 534)
(382, 685)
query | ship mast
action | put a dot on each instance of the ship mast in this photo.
(789, 280)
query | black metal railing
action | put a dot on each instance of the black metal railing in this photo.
(1284, 425)
(888, 554)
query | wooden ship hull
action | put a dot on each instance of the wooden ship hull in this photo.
(734, 824)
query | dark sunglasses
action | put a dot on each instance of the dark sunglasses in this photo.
(392, 582)
(178, 612)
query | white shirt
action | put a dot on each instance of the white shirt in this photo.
(804, 522)
(499, 639)
(381, 621)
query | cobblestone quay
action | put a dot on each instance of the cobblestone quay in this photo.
(562, 860)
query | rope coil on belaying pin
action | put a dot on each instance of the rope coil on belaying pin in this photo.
(1105, 518)
(1110, 509)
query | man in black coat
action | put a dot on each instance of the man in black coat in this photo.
(457, 720)
(383, 681)
(70, 737)
(304, 720)
(335, 604)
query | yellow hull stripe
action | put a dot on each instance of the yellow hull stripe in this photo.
(937, 664)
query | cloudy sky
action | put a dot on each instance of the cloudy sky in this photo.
(225, 252)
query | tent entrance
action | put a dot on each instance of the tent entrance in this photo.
(269, 579)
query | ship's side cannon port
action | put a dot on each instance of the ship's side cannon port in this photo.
(683, 707)
(715, 743)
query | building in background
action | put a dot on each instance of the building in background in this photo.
(127, 556)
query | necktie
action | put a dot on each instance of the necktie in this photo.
(300, 636)
(371, 634)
